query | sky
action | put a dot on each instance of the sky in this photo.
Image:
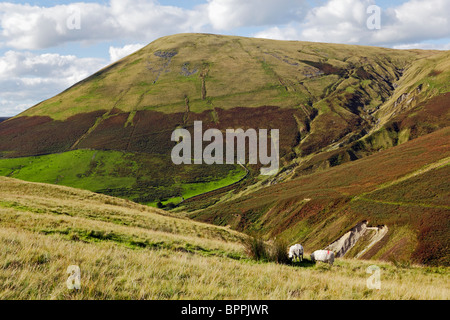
(47, 46)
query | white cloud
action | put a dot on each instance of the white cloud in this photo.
(27, 78)
(344, 21)
(277, 33)
(116, 53)
(416, 21)
(27, 27)
(10, 108)
(33, 27)
(228, 14)
(424, 46)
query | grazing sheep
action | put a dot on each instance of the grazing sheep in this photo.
(323, 255)
(296, 251)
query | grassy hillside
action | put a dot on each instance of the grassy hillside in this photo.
(321, 94)
(215, 71)
(143, 178)
(129, 251)
(405, 187)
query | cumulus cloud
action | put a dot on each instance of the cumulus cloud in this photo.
(27, 78)
(345, 21)
(415, 21)
(228, 14)
(32, 27)
(116, 53)
(277, 33)
(424, 46)
(24, 26)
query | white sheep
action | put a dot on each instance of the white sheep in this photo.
(296, 251)
(323, 255)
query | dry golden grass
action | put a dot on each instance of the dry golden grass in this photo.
(128, 251)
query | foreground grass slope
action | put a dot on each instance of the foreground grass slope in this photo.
(129, 251)
(143, 178)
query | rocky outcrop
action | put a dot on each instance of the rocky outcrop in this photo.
(349, 239)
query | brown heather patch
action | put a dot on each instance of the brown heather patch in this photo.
(435, 114)
(152, 132)
(266, 117)
(326, 68)
(26, 136)
(363, 74)
(397, 251)
(110, 134)
(434, 73)
(295, 215)
(149, 131)
(434, 239)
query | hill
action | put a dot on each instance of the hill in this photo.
(304, 89)
(129, 251)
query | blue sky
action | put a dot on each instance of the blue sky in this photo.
(46, 46)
